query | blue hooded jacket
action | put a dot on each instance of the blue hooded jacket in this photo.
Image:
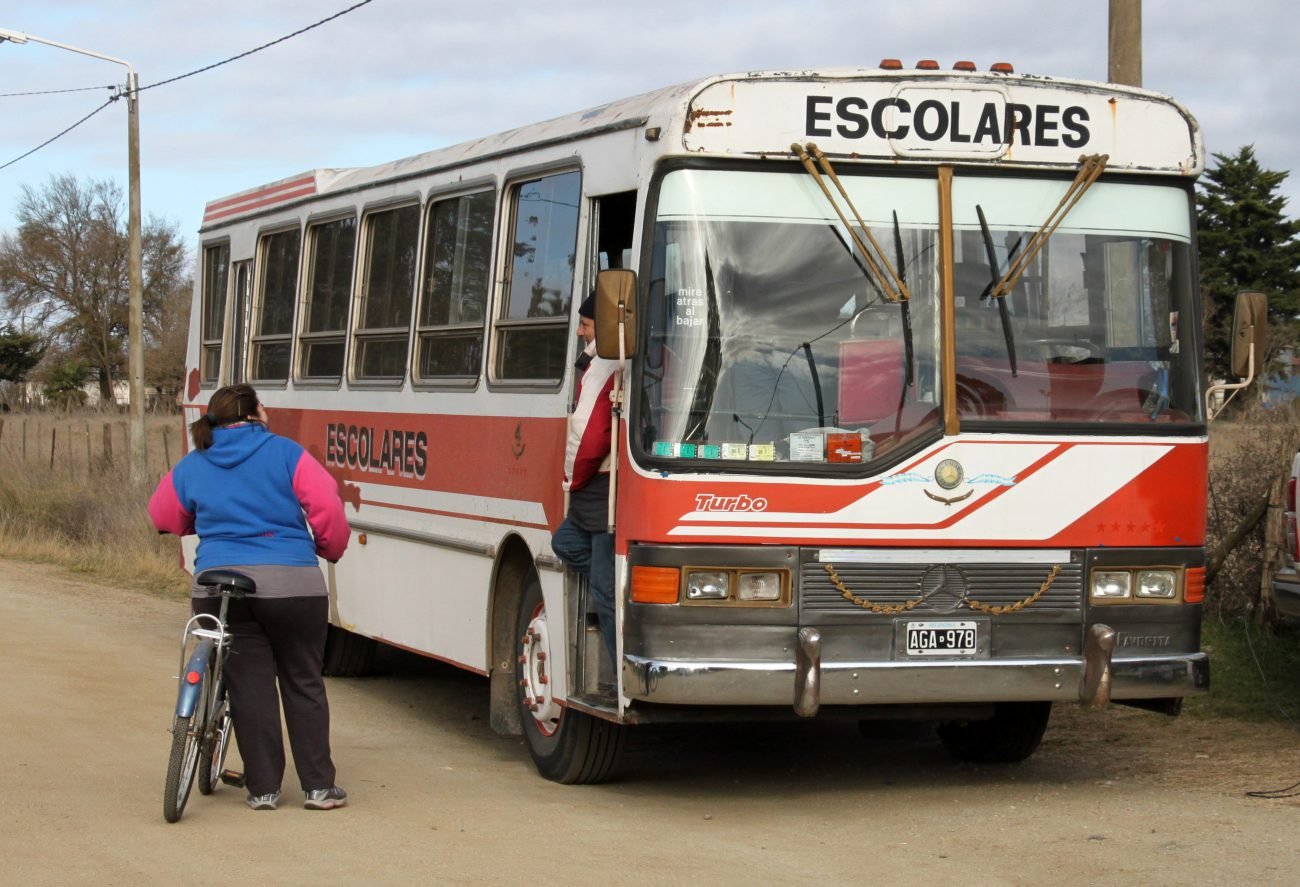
(250, 497)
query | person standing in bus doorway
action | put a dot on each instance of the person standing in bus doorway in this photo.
(264, 507)
(583, 540)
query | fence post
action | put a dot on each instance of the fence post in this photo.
(54, 435)
(167, 450)
(90, 461)
(107, 434)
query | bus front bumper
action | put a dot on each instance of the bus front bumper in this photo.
(807, 685)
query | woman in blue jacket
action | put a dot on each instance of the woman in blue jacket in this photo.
(263, 506)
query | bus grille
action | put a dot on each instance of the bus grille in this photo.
(943, 587)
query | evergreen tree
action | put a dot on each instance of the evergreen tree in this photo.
(19, 354)
(1246, 243)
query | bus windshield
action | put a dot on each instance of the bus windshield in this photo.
(1100, 326)
(769, 339)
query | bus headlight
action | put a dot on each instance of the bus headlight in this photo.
(736, 587)
(1157, 584)
(708, 585)
(1112, 584)
(759, 587)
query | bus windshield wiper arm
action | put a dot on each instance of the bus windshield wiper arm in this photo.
(891, 285)
(1091, 166)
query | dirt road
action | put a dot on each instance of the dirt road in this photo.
(86, 684)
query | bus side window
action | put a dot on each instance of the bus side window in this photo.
(454, 289)
(390, 241)
(617, 215)
(532, 339)
(331, 247)
(273, 318)
(239, 322)
(216, 272)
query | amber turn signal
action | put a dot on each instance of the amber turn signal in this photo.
(655, 585)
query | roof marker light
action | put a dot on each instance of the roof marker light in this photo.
(964, 66)
(1002, 68)
(891, 65)
(927, 65)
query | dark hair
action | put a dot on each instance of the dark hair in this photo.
(234, 403)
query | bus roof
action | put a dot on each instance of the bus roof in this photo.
(902, 117)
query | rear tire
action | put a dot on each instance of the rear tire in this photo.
(183, 763)
(348, 654)
(567, 746)
(1010, 736)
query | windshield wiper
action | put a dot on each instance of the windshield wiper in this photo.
(989, 250)
(907, 314)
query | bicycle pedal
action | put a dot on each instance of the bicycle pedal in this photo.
(233, 777)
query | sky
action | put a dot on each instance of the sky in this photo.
(394, 78)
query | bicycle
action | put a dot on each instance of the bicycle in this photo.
(202, 728)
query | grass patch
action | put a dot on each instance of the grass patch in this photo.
(1254, 675)
(83, 514)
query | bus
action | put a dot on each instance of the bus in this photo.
(910, 421)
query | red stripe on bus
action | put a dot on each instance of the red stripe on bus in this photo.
(245, 207)
(261, 192)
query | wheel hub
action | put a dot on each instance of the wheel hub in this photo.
(535, 674)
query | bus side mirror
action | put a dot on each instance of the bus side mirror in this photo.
(1246, 350)
(615, 308)
(1249, 327)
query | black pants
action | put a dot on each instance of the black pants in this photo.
(278, 639)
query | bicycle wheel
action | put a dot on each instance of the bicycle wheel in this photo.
(216, 738)
(187, 737)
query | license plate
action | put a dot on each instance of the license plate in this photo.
(941, 639)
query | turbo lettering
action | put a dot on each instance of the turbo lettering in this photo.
(389, 451)
(710, 502)
(852, 117)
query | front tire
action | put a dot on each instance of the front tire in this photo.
(1010, 736)
(212, 753)
(567, 746)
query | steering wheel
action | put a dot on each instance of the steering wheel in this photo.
(1067, 348)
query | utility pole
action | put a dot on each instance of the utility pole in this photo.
(139, 456)
(138, 459)
(1125, 42)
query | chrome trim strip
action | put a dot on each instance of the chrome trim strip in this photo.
(550, 562)
(942, 556)
(481, 548)
(869, 683)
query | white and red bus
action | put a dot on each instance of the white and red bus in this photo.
(911, 422)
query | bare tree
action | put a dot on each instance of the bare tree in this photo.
(66, 270)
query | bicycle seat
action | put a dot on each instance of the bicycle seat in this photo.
(218, 580)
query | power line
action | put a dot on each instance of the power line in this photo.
(10, 95)
(169, 80)
(60, 135)
(258, 49)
